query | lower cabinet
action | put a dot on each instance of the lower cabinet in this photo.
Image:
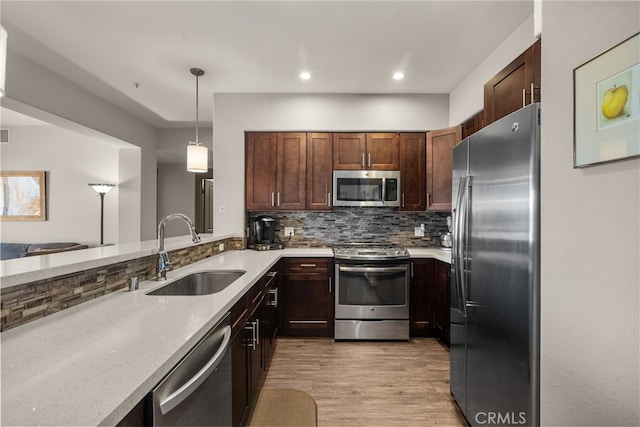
(254, 321)
(442, 281)
(308, 305)
(429, 295)
(421, 298)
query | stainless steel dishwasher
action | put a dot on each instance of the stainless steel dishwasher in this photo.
(197, 392)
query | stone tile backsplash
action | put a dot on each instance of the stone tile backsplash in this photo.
(344, 225)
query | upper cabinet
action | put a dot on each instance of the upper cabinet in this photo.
(319, 170)
(375, 151)
(517, 85)
(276, 168)
(413, 171)
(440, 145)
(473, 124)
(260, 170)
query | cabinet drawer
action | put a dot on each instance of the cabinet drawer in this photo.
(307, 265)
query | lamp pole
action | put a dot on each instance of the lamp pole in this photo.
(102, 218)
(102, 189)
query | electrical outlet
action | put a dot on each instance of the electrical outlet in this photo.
(222, 210)
(422, 227)
(418, 232)
(221, 247)
(288, 231)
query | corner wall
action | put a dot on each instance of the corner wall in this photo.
(590, 349)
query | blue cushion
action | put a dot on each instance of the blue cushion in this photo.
(13, 250)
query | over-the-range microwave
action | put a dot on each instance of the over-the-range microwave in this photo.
(366, 188)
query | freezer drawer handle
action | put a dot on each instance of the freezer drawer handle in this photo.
(190, 386)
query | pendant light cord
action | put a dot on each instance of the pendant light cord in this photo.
(197, 72)
(197, 140)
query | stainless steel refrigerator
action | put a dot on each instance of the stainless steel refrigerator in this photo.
(495, 272)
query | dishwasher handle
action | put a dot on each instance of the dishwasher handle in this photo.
(175, 398)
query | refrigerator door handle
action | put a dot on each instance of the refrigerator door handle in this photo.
(464, 259)
(457, 259)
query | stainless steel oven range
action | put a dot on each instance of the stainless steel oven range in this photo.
(372, 292)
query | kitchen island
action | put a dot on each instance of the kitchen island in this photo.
(92, 363)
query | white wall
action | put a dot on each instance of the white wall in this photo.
(30, 84)
(590, 350)
(73, 208)
(236, 113)
(468, 97)
(176, 194)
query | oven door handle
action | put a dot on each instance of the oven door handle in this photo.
(373, 269)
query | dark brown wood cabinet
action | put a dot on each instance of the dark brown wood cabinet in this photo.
(254, 323)
(307, 288)
(349, 151)
(442, 284)
(473, 124)
(135, 417)
(421, 297)
(239, 378)
(376, 151)
(260, 170)
(319, 170)
(383, 151)
(440, 145)
(515, 86)
(275, 170)
(413, 171)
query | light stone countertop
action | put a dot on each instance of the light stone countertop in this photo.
(17, 271)
(91, 364)
(437, 253)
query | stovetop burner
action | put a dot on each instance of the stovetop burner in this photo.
(370, 251)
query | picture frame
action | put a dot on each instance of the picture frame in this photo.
(606, 106)
(23, 196)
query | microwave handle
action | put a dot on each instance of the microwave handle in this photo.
(384, 190)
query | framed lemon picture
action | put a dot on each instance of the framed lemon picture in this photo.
(607, 106)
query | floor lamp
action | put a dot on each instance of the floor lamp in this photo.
(102, 189)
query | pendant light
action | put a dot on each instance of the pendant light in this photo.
(3, 58)
(197, 153)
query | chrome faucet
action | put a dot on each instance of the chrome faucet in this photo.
(164, 262)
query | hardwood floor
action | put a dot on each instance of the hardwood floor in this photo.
(369, 383)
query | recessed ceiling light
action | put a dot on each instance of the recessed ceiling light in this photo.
(398, 75)
(305, 75)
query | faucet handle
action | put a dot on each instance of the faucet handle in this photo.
(195, 237)
(164, 262)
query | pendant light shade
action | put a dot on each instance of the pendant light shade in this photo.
(3, 58)
(197, 154)
(197, 157)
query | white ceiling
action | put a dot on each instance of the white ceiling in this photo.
(256, 46)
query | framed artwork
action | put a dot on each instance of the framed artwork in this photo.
(606, 106)
(22, 196)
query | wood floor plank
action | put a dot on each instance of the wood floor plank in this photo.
(359, 383)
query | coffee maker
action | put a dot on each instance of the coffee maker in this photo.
(262, 234)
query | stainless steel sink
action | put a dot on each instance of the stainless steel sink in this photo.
(200, 283)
